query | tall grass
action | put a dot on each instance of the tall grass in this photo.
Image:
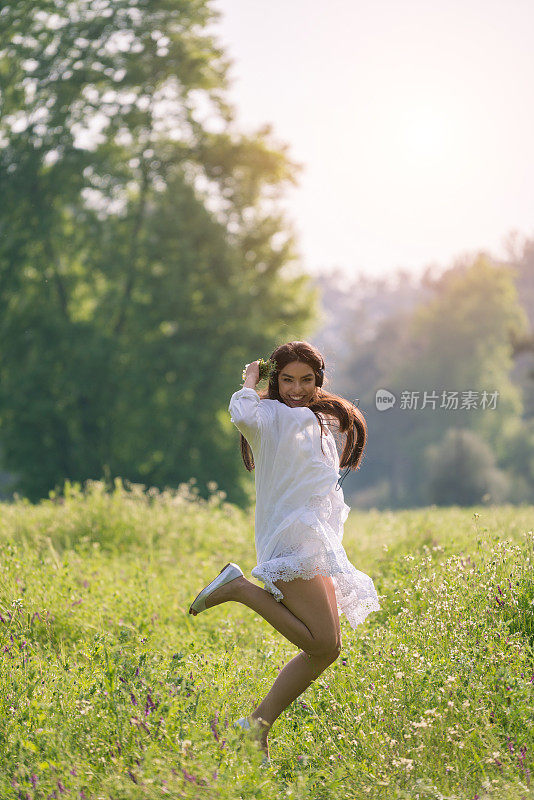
(110, 689)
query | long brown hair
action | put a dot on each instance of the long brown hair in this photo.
(350, 419)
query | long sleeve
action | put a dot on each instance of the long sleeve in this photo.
(249, 414)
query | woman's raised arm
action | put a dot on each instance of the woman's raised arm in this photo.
(248, 414)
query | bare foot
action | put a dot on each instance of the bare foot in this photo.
(223, 593)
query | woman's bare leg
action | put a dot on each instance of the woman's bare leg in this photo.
(295, 677)
(308, 617)
(307, 600)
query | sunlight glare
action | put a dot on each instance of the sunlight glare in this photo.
(424, 134)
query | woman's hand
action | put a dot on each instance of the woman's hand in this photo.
(251, 374)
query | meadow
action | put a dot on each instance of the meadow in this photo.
(110, 690)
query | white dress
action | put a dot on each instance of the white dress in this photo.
(299, 513)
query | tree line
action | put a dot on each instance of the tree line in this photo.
(144, 259)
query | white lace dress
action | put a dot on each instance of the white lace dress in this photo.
(299, 514)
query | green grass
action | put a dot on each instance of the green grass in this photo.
(110, 689)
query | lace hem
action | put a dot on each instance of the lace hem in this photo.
(355, 591)
(313, 547)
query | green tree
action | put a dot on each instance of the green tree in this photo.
(142, 255)
(461, 470)
(453, 333)
(460, 340)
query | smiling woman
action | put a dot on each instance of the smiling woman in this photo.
(296, 383)
(299, 518)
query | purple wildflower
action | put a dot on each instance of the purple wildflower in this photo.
(150, 704)
(188, 776)
(213, 727)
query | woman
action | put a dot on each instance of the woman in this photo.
(300, 512)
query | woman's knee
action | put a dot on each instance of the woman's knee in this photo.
(328, 645)
(329, 650)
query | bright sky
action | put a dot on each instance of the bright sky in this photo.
(414, 121)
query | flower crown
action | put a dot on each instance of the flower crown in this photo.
(266, 366)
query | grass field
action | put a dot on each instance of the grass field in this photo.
(110, 689)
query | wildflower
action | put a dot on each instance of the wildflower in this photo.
(150, 704)
(185, 744)
(188, 776)
(213, 727)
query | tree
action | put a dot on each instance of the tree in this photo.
(455, 334)
(460, 341)
(140, 265)
(461, 470)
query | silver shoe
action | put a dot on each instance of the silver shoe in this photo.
(242, 723)
(227, 574)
